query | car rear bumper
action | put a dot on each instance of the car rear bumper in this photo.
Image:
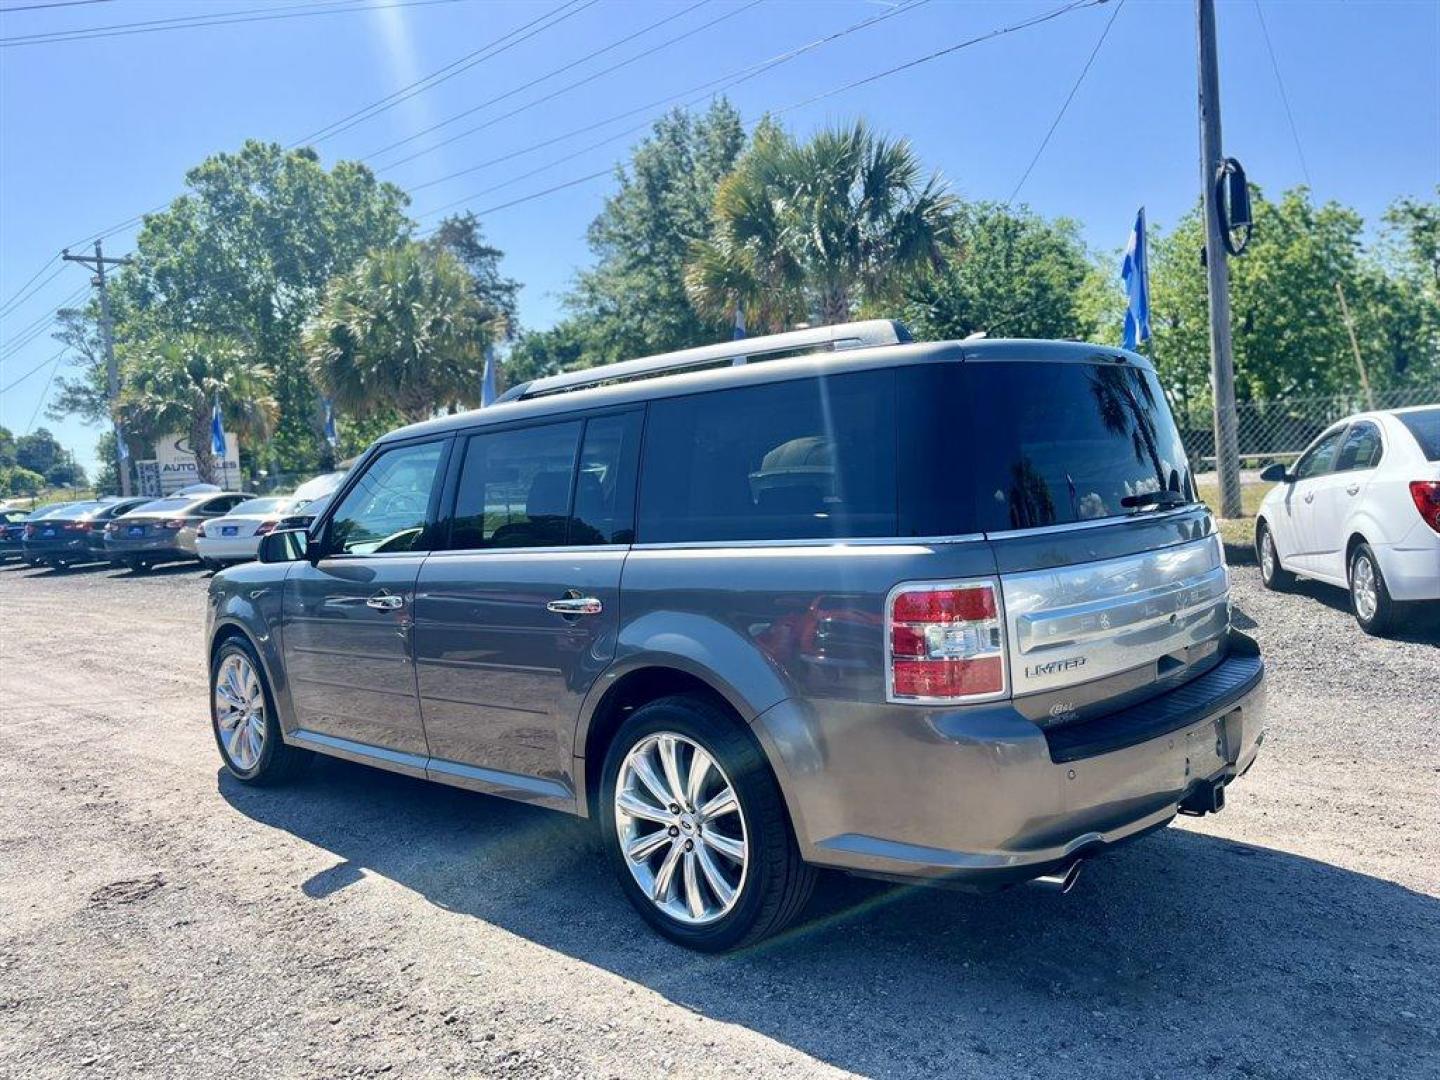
(150, 547)
(981, 798)
(228, 548)
(1411, 573)
(68, 547)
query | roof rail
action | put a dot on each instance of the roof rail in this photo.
(843, 336)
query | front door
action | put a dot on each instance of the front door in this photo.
(517, 618)
(1337, 494)
(348, 615)
(1311, 471)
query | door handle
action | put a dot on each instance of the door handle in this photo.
(1353, 489)
(385, 602)
(575, 605)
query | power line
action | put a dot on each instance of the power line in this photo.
(229, 18)
(435, 78)
(1284, 97)
(16, 299)
(554, 93)
(548, 75)
(44, 393)
(999, 32)
(52, 4)
(38, 326)
(38, 367)
(1066, 103)
(705, 89)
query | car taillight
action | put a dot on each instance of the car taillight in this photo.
(173, 523)
(946, 642)
(265, 527)
(82, 526)
(29, 531)
(112, 527)
(1426, 494)
(200, 529)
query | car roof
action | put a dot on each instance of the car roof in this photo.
(676, 384)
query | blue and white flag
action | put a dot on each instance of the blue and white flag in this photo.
(487, 382)
(330, 435)
(217, 432)
(739, 323)
(1135, 271)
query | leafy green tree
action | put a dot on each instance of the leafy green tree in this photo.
(462, 236)
(1012, 274)
(7, 447)
(173, 384)
(564, 347)
(245, 255)
(85, 393)
(845, 221)
(15, 480)
(405, 331)
(633, 302)
(39, 451)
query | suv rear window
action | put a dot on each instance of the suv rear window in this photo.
(1425, 426)
(1058, 443)
(804, 459)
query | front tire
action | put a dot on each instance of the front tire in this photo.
(696, 828)
(1369, 596)
(1272, 575)
(244, 721)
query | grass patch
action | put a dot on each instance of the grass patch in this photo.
(1237, 532)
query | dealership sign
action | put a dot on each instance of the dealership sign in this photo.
(173, 466)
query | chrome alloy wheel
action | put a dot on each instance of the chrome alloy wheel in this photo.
(240, 712)
(1364, 588)
(1267, 555)
(681, 828)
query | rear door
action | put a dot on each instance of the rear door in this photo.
(348, 615)
(517, 617)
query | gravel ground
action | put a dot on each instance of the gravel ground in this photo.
(157, 919)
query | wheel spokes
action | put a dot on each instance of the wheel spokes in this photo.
(733, 850)
(722, 804)
(666, 874)
(669, 750)
(642, 847)
(629, 803)
(694, 901)
(723, 890)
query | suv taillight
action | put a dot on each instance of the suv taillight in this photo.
(945, 642)
(1426, 494)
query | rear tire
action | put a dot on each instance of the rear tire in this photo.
(244, 721)
(1370, 600)
(1272, 575)
(712, 901)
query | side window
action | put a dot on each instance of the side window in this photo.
(605, 485)
(808, 459)
(1361, 448)
(515, 488)
(1320, 457)
(385, 510)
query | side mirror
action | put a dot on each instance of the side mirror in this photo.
(1274, 474)
(287, 545)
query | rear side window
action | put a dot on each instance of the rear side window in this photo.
(1425, 426)
(1361, 448)
(515, 488)
(1059, 443)
(806, 459)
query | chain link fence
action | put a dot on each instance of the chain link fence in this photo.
(1279, 430)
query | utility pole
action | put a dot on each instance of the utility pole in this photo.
(1355, 347)
(1222, 357)
(97, 263)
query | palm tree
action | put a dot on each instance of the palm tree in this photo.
(845, 220)
(403, 330)
(175, 384)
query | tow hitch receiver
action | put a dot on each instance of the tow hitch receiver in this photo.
(1206, 797)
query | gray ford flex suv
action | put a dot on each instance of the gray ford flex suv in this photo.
(942, 612)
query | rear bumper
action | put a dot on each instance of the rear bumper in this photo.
(978, 798)
(149, 547)
(69, 547)
(227, 548)
(1411, 573)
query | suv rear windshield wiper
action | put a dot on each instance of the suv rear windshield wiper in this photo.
(1155, 498)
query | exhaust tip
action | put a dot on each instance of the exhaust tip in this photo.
(1061, 881)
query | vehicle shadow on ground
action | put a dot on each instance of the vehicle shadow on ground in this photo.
(1171, 956)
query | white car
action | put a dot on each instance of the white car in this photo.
(1360, 509)
(236, 536)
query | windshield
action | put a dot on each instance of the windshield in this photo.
(1058, 443)
(270, 505)
(1424, 424)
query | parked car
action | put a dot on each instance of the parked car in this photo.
(15, 532)
(236, 536)
(12, 529)
(1360, 509)
(930, 612)
(76, 534)
(163, 530)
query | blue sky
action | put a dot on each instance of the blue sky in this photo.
(94, 131)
